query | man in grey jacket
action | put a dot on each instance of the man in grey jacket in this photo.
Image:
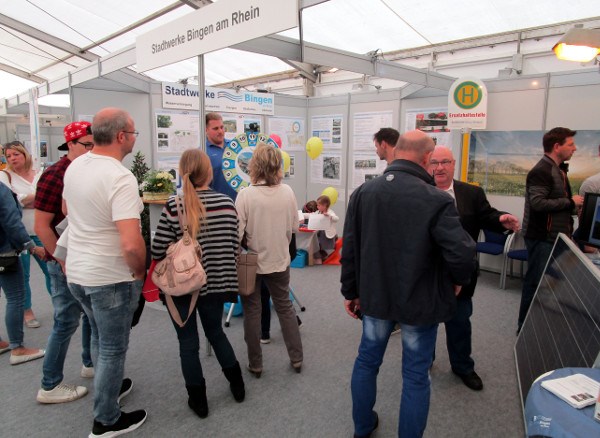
(405, 257)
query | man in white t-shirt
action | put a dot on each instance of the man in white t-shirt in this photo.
(106, 258)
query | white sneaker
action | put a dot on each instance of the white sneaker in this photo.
(87, 372)
(62, 393)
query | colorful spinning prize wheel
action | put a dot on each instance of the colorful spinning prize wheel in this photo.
(236, 157)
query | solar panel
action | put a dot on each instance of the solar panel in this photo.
(562, 328)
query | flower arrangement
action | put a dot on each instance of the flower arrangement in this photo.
(158, 183)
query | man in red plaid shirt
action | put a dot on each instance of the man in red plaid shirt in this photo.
(67, 310)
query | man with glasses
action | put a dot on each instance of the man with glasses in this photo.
(67, 310)
(476, 214)
(106, 261)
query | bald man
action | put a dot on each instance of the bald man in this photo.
(404, 250)
(475, 214)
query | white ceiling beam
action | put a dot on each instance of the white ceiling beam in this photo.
(46, 38)
(21, 73)
(305, 70)
(410, 89)
(196, 4)
(493, 40)
(309, 3)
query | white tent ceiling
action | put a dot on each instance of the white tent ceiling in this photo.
(44, 39)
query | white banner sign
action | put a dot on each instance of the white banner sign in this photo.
(179, 96)
(219, 25)
(467, 104)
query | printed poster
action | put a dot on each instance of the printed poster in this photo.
(291, 132)
(366, 125)
(329, 129)
(367, 166)
(327, 169)
(433, 122)
(177, 131)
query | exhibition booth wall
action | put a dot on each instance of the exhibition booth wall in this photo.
(532, 103)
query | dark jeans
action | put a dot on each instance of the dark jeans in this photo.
(458, 337)
(13, 285)
(265, 316)
(538, 253)
(210, 310)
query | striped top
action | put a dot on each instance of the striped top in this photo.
(218, 238)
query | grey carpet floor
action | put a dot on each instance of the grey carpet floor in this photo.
(315, 403)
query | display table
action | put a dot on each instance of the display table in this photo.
(155, 209)
(307, 241)
(547, 415)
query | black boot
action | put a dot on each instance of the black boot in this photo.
(197, 399)
(236, 382)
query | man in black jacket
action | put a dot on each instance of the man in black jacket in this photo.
(476, 214)
(549, 208)
(404, 252)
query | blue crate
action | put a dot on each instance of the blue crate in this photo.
(300, 260)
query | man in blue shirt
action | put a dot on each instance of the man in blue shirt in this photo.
(215, 145)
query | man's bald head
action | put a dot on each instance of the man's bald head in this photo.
(108, 122)
(414, 146)
(441, 166)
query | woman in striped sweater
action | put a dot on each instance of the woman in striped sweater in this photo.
(212, 218)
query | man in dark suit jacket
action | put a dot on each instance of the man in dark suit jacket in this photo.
(476, 214)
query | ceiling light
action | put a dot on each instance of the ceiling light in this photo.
(578, 44)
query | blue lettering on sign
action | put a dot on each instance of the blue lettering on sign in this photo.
(258, 100)
(169, 90)
(210, 94)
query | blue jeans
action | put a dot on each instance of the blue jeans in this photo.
(26, 260)
(418, 343)
(458, 337)
(211, 314)
(67, 312)
(538, 253)
(14, 288)
(110, 310)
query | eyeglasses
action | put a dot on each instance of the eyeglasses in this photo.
(444, 163)
(136, 133)
(88, 146)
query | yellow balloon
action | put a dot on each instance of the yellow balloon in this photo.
(331, 193)
(286, 160)
(314, 147)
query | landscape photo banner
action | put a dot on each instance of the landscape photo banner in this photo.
(500, 160)
(213, 27)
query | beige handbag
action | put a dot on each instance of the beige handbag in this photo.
(181, 271)
(246, 270)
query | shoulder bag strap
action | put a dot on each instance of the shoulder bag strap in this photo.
(8, 176)
(170, 304)
(180, 214)
(175, 313)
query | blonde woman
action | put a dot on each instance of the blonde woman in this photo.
(22, 179)
(268, 216)
(212, 218)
